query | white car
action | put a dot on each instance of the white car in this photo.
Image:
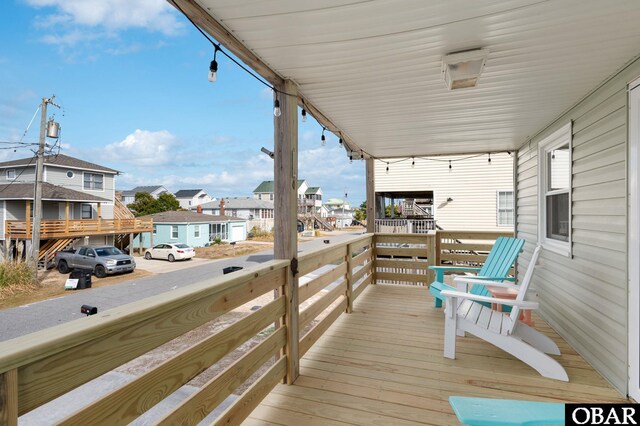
(171, 252)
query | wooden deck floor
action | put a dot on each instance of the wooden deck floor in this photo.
(383, 365)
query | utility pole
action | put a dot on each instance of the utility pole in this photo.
(37, 204)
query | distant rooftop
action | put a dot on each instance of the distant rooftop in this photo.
(187, 193)
(182, 216)
(238, 203)
(137, 189)
(268, 186)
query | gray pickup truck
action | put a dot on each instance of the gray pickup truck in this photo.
(102, 260)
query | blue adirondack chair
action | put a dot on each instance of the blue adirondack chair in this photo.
(496, 267)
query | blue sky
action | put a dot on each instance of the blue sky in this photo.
(131, 76)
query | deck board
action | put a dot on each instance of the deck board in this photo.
(383, 364)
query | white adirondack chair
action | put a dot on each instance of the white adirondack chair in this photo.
(502, 329)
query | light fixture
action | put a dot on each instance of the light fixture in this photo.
(361, 154)
(340, 141)
(413, 162)
(387, 167)
(213, 67)
(268, 152)
(449, 199)
(461, 70)
(351, 159)
(304, 115)
(323, 139)
(276, 108)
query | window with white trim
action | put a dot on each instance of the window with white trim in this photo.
(93, 181)
(196, 231)
(174, 232)
(11, 174)
(504, 203)
(554, 158)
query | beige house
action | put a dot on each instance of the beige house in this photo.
(473, 194)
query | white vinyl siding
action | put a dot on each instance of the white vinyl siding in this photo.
(584, 297)
(472, 183)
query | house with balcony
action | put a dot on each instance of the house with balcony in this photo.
(79, 205)
(470, 192)
(357, 339)
(309, 197)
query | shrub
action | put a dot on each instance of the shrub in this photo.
(15, 276)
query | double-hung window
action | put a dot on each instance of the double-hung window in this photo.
(196, 231)
(554, 158)
(174, 232)
(505, 208)
(87, 211)
(93, 181)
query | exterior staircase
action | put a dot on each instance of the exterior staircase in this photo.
(49, 249)
(322, 224)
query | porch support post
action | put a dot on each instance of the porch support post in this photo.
(286, 213)
(371, 212)
(9, 398)
(28, 216)
(371, 197)
(66, 218)
(99, 217)
(131, 248)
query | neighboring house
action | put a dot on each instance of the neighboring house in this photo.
(309, 198)
(194, 229)
(339, 213)
(259, 213)
(78, 201)
(129, 197)
(474, 194)
(192, 197)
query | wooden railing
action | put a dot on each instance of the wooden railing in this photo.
(77, 227)
(39, 367)
(404, 226)
(405, 258)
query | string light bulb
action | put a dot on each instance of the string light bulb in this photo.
(213, 67)
(489, 161)
(304, 115)
(323, 139)
(387, 167)
(340, 141)
(276, 108)
(413, 162)
(450, 165)
(351, 159)
(361, 154)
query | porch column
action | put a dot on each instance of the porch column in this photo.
(371, 197)
(66, 218)
(28, 217)
(286, 213)
(99, 216)
(393, 208)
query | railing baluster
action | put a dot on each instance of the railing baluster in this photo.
(9, 398)
(349, 292)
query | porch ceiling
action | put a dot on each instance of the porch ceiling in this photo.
(373, 67)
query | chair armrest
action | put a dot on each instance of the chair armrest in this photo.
(440, 270)
(475, 280)
(524, 304)
(482, 277)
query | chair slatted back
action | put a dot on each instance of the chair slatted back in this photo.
(524, 286)
(500, 260)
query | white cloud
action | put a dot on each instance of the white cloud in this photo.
(143, 148)
(113, 15)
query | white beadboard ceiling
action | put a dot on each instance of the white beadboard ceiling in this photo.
(373, 67)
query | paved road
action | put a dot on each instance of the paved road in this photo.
(26, 319)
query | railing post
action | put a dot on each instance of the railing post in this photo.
(432, 255)
(9, 398)
(374, 258)
(438, 247)
(349, 292)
